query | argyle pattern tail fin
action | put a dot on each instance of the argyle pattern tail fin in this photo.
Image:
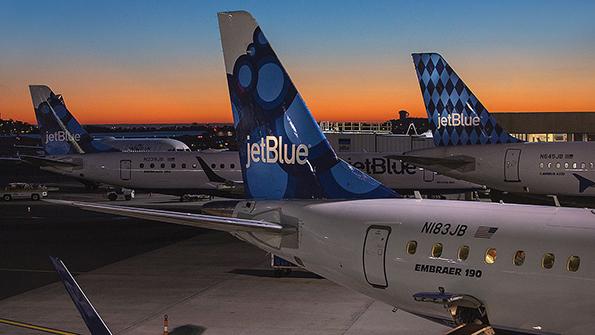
(455, 115)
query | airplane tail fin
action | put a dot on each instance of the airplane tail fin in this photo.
(88, 313)
(283, 152)
(455, 115)
(61, 133)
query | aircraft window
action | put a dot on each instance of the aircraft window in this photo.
(183, 165)
(591, 165)
(558, 165)
(232, 166)
(162, 165)
(574, 165)
(463, 252)
(437, 250)
(519, 258)
(566, 165)
(573, 263)
(547, 262)
(173, 165)
(411, 247)
(152, 165)
(222, 166)
(583, 165)
(194, 166)
(213, 165)
(490, 257)
(142, 165)
(541, 165)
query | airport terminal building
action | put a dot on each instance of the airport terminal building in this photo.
(549, 126)
(527, 126)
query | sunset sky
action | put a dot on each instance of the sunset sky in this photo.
(161, 61)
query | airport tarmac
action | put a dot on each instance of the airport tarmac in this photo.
(136, 271)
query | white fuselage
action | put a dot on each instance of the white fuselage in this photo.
(142, 144)
(534, 168)
(362, 245)
(181, 172)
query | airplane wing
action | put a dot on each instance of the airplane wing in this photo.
(88, 313)
(227, 224)
(452, 163)
(11, 159)
(42, 161)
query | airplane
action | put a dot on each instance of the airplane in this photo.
(72, 152)
(471, 145)
(55, 121)
(88, 313)
(478, 267)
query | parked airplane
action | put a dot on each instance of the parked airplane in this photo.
(472, 146)
(70, 151)
(477, 266)
(56, 122)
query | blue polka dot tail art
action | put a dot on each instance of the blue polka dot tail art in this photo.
(455, 115)
(283, 152)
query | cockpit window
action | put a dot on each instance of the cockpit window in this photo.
(490, 257)
(573, 263)
(463, 252)
(437, 250)
(547, 262)
(519, 258)
(411, 247)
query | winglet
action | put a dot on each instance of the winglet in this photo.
(211, 175)
(583, 183)
(88, 313)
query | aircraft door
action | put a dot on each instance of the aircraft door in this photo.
(511, 165)
(375, 255)
(125, 166)
(428, 175)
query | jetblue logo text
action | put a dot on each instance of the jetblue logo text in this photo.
(61, 136)
(379, 165)
(457, 120)
(271, 149)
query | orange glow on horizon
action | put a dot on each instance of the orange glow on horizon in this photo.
(367, 94)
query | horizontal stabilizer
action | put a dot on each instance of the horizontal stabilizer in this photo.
(187, 219)
(463, 163)
(88, 313)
